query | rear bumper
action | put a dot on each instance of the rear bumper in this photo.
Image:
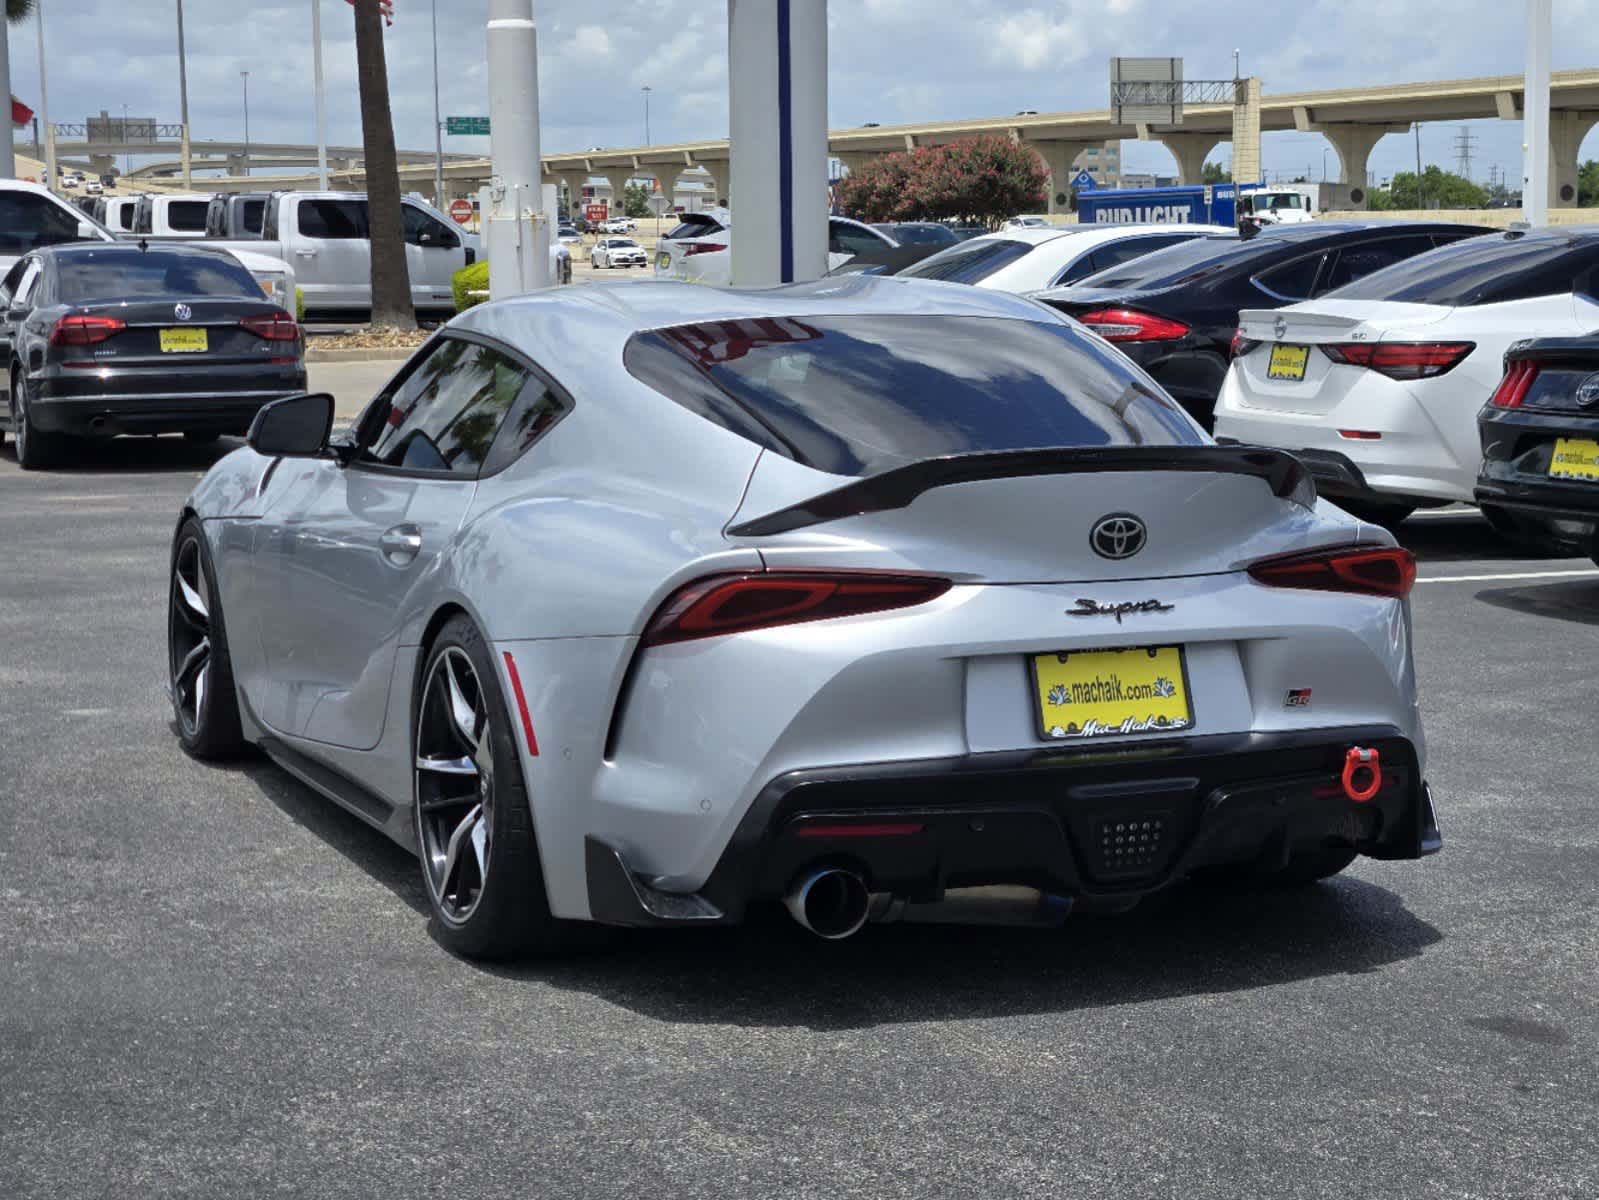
(1514, 489)
(1116, 824)
(226, 412)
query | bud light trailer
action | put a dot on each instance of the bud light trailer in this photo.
(1189, 204)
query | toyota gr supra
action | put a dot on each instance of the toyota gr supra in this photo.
(646, 605)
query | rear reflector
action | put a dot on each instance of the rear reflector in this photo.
(1513, 388)
(690, 249)
(1400, 360)
(1129, 325)
(1359, 435)
(273, 326)
(1389, 572)
(885, 829)
(725, 604)
(85, 331)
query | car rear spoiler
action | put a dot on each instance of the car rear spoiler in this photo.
(899, 486)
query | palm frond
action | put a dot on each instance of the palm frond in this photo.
(18, 11)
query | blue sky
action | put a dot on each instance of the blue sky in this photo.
(890, 61)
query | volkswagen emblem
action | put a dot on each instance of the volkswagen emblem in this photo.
(1120, 535)
(1279, 328)
(1588, 391)
(182, 312)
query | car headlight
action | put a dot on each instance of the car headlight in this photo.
(275, 286)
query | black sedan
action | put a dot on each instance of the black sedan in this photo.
(101, 340)
(1539, 483)
(1174, 312)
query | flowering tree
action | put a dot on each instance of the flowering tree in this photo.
(980, 181)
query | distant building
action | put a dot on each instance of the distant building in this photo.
(1148, 181)
(1104, 163)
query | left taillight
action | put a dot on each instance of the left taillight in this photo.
(85, 330)
(273, 326)
(1130, 325)
(1400, 360)
(1387, 571)
(1513, 388)
(725, 604)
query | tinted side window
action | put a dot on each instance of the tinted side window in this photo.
(1116, 253)
(535, 410)
(846, 239)
(968, 262)
(8, 286)
(253, 213)
(333, 219)
(446, 413)
(418, 223)
(1293, 280)
(269, 222)
(28, 221)
(1353, 262)
(29, 285)
(187, 216)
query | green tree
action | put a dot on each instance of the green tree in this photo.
(635, 200)
(1215, 173)
(1439, 188)
(1588, 184)
(980, 181)
(392, 304)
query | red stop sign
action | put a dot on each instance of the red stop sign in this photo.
(461, 211)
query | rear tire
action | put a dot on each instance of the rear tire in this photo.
(35, 450)
(474, 826)
(1375, 512)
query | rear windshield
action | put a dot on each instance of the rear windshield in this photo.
(969, 262)
(116, 273)
(919, 235)
(855, 395)
(1183, 263)
(1479, 270)
(693, 229)
(254, 215)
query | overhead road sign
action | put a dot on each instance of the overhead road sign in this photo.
(466, 126)
(1152, 91)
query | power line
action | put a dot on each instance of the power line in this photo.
(1465, 142)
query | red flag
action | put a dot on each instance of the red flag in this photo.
(21, 114)
(386, 7)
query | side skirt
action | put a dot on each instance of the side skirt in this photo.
(342, 790)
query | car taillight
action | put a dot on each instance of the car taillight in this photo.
(690, 249)
(1128, 325)
(1241, 345)
(85, 331)
(726, 604)
(273, 326)
(1400, 360)
(1390, 571)
(1513, 388)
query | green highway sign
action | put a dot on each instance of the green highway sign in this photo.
(466, 126)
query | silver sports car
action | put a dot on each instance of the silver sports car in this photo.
(644, 605)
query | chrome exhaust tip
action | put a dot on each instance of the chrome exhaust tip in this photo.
(830, 902)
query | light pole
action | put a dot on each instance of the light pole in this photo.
(321, 101)
(183, 102)
(1324, 164)
(647, 89)
(44, 108)
(127, 157)
(245, 75)
(438, 128)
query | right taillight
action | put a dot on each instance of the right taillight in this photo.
(1513, 388)
(273, 326)
(1130, 325)
(690, 249)
(725, 604)
(1388, 571)
(1241, 345)
(1400, 360)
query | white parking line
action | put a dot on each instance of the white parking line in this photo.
(1517, 575)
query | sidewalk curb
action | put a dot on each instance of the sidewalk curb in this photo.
(314, 355)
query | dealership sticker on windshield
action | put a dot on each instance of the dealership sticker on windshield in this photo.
(1112, 693)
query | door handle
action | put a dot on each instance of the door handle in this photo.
(401, 544)
(305, 253)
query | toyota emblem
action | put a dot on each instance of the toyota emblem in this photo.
(1120, 535)
(1279, 328)
(1588, 391)
(182, 312)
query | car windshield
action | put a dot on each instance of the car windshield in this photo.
(622, 244)
(855, 395)
(919, 235)
(969, 262)
(1185, 262)
(118, 273)
(1472, 271)
(1273, 201)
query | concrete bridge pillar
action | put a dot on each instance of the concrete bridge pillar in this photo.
(106, 164)
(1567, 128)
(1353, 144)
(1192, 149)
(721, 172)
(573, 182)
(617, 177)
(1246, 134)
(1058, 158)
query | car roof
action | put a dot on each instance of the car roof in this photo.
(182, 249)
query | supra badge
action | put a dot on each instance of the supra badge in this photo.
(1093, 608)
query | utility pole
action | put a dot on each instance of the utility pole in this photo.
(1535, 117)
(517, 231)
(44, 106)
(8, 152)
(245, 75)
(438, 121)
(647, 90)
(127, 157)
(183, 103)
(321, 99)
(1465, 142)
(1419, 203)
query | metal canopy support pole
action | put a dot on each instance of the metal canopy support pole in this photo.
(321, 98)
(777, 84)
(438, 127)
(44, 107)
(183, 105)
(8, 152)
(1535, 116)
(518, 233)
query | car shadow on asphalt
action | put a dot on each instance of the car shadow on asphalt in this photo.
(1458, 537)
(1574, 600)
(133, 455)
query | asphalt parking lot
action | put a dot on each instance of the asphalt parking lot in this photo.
(213, 983)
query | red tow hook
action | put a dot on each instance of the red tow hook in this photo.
(1362, 762)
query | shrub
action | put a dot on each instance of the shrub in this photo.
(975, 181)
(467, 280)
(299, 305)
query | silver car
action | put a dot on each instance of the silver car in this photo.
(644, 605)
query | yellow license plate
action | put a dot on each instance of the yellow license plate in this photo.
(1575, 458)
(1111, 693)
(663, 260)
(1288, 362)
(184, 341)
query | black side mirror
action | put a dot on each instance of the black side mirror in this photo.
(296, 427)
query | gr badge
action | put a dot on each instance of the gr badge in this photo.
(1298, 698)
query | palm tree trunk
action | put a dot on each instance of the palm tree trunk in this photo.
(391, 279)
